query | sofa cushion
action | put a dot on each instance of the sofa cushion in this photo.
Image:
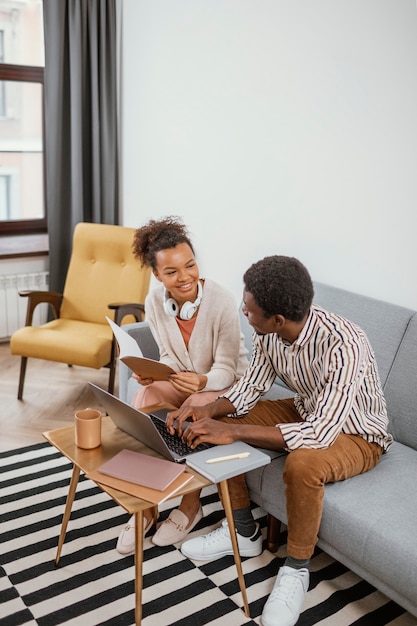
(383, 323)
(382, 520)
(401, 389)
(366, 519)
(148, 346)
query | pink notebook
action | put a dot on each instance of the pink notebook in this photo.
(142, 469)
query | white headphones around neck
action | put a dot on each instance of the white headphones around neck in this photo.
(188, 308)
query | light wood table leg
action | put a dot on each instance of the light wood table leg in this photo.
(229, 516)
(67, 513)
(138, 566)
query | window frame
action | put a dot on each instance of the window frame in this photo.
(29, 74)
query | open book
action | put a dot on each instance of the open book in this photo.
(131, 355)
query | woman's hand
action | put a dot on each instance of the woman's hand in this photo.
(142, 381)
(188, 382)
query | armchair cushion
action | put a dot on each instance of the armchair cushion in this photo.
(80, 343)
(102, 270)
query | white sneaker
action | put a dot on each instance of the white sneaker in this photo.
(218, 543)
(283, 606)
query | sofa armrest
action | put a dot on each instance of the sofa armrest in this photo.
(141, 332)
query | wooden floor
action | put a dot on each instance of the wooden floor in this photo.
(52, 393)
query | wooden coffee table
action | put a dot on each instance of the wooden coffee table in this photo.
(112, 441)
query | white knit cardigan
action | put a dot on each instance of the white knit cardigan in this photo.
(216, 348)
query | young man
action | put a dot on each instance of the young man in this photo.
(333, 428)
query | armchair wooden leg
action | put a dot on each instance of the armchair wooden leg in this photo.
(272, 533)
(23, 363)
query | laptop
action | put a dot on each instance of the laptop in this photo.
(149, 429)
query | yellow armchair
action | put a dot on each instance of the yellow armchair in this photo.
(102, 274)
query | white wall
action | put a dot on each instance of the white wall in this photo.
(277, 127)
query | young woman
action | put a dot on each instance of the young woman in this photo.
(195, 323)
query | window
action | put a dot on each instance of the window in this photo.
(2, 90)
(22, 201)
(9, 194)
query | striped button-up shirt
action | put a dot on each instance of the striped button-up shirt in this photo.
(332, 371)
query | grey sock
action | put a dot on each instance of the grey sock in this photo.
(244, 522)
(290, 561)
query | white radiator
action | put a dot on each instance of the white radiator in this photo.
(13, 307)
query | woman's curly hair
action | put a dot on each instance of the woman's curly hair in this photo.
(280, 285)
(159, 235)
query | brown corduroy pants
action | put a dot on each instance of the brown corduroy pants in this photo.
(306, 473)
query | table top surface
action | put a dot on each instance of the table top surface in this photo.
(113, 440)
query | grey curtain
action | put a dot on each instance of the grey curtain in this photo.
(81, 122)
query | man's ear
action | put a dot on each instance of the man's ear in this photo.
(279, 321)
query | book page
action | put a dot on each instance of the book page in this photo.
(128, 346)
(131, 354)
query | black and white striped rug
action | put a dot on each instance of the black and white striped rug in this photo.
(95, 585)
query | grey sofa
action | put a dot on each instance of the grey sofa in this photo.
(370, 521)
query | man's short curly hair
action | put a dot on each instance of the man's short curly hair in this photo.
(280, 285)
(159, 235)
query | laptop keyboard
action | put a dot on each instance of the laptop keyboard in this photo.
(174, 442)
